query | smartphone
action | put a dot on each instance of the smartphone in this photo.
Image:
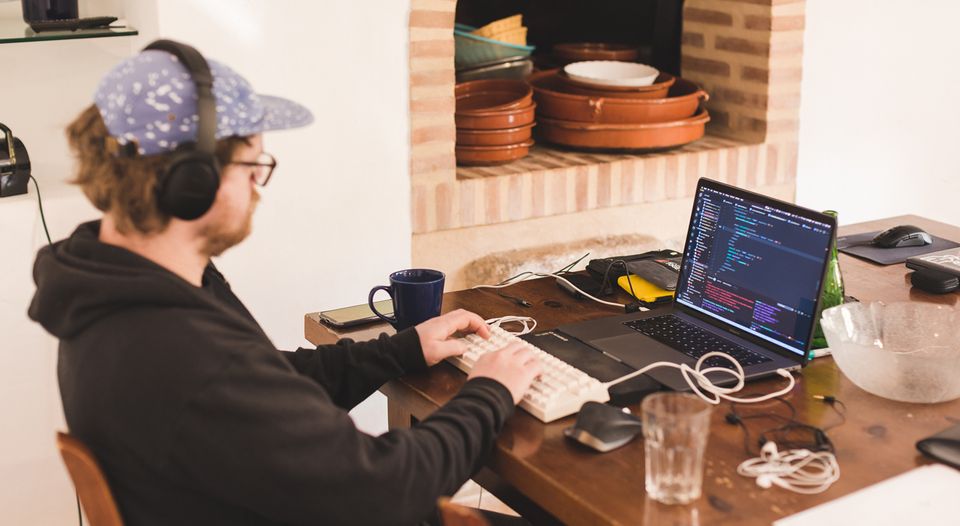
(356, 315)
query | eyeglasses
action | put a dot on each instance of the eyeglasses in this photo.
(263, 168)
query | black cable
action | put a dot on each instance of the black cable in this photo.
(564, 269)
(629, 275)
(783, 435)
(44, 219)
(571, 265)
(79, 515)
(738, 419)
(519, 301)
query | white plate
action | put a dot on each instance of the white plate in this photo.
(612, 73)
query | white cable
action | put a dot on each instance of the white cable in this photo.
(695, 376)
(697, 380)
(529, 324)
(530, 275)
(797, 470)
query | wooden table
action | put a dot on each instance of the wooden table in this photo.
(535, 469)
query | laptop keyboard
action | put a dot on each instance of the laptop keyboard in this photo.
(694, 341)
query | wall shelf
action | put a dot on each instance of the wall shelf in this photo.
(14, 31)
(548, 158)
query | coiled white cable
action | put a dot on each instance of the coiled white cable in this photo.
(529, 324)
(797, 470)
(697, 380)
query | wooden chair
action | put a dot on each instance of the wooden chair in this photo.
(456, 515)
(92, 487)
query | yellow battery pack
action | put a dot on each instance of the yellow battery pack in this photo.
(643, 290)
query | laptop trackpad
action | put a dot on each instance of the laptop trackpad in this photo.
(639, 351)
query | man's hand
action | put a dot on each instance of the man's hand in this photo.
(435, 334)
(515, 366)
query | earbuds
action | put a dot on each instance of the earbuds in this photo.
(764, 481)
(796, 470)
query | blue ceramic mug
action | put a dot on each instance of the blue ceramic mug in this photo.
(416, 293)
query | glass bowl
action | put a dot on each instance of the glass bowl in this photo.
(905, 351)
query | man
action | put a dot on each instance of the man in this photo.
(195, 417)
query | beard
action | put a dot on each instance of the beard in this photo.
(220, 236)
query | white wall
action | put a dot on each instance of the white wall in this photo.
(333, 222)
(879, 118)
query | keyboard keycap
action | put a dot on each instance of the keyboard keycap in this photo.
(561, 388)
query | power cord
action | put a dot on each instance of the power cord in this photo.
(702, 386)
(527, 275)
(42, 217)
(46, 231)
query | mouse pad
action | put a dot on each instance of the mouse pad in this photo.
(887, 256)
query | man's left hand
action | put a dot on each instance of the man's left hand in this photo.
(435, 334)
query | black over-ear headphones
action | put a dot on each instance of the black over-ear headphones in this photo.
(14, 165)
(187, 188)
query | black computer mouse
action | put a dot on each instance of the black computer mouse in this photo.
(603, 427)
(902, 236)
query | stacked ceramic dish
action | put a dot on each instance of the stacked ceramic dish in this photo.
(613, 105)
(563, 54)
(494, 121)
(496, 50)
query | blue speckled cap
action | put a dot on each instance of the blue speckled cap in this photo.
(149, 99)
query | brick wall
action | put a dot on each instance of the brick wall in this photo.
(432, 79)
(746, 53)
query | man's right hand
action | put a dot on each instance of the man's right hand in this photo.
(515, 366)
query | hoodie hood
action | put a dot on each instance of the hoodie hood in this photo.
(81, 280)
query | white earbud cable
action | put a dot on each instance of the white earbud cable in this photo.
(697, 380)
(529, 324)
(796, 470)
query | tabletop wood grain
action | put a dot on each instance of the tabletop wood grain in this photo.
(578, 486)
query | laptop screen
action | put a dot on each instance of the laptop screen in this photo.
(754, 263)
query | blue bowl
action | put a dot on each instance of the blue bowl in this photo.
(473, 50)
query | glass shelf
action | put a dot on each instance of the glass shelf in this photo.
(16, 30)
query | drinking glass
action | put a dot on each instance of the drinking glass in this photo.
(675, 430)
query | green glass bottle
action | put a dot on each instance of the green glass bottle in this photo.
(832, 294)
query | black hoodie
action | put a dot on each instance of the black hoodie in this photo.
(196, 418)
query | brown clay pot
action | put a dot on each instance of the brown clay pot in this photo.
(505, 137)
(496, 120)
(491, 155)
(623, 136)
(492, 95)
(657, 90)
(580, 51)
(553, 101)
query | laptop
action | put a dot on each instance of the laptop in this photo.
(749, 285)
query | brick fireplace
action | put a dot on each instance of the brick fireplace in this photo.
(745, 53)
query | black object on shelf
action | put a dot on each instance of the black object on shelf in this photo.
(72, 24)
(40, 10)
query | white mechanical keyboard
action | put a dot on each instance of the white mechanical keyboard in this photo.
(561, 388)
